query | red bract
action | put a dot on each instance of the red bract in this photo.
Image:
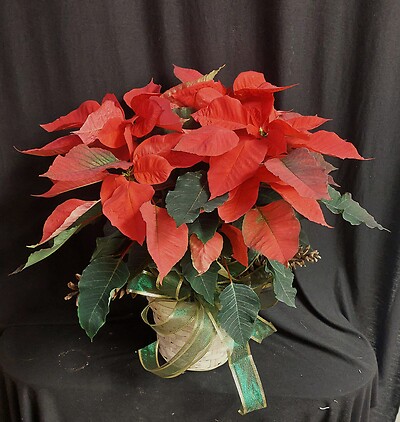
(262, 112)
(63, 217)
(186, 75)
(253, 83)
(204, 254)
(300, 170)
(208, 141)
(205, 96)
(196, 92)
(58, 147)
(121, 200)
(305, 122)
(82, 163)
(68, 185)
(163, 145)
(239, 248)
(152, 112)
(136, 95)
(307, 207)
(231, 169)
(276, 141)
(157, 144)
(240, 200)
(74, 119)
(166, 243)
(225, 112)
(183, 160)
(152, 169)
(104, 124)
(329, 143)
(272, 230)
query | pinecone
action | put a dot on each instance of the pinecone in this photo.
(304, 255)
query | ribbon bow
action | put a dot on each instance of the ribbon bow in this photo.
(205, 329)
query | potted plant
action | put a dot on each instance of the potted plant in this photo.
(203, 189)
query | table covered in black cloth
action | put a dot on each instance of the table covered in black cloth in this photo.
(315, 368)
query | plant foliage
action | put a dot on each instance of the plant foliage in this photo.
(204, 186)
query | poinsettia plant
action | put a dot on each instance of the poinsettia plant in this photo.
(205, 181)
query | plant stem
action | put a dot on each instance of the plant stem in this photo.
(227, 270)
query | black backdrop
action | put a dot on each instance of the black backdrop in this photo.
(345, 54)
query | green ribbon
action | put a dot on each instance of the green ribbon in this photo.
(192, 351)
(244, 371)
(262, 329)
(205, 328)
(247, 379)
(145, 284)
(182, 315)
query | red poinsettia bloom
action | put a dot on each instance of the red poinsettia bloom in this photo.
(230, 148)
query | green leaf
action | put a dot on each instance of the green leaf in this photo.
(98, 281)
(138, 258)
(205, 226)
(41, 254)
(267, 298)
(186, 200)
(215, 203)
(283, 279)
(303, 238)
(239, 310)
(351, 210)
(204, 284)
(109, 246)
(60, 239)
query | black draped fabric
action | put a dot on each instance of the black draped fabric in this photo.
(336, 357)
